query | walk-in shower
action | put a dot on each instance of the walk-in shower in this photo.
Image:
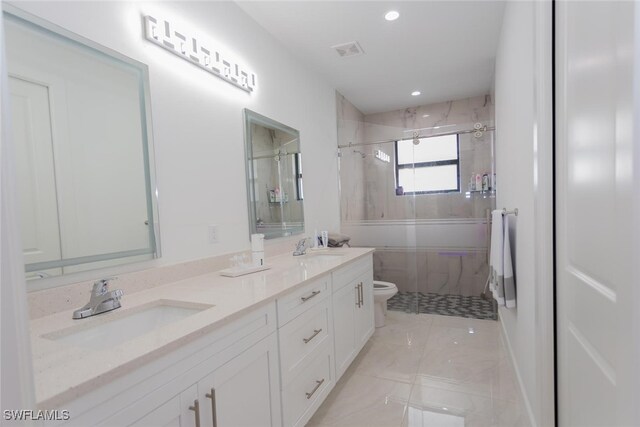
(426, 208)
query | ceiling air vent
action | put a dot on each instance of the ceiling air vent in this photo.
(348, 49)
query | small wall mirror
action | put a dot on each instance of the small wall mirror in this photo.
(82, 131)
(274, 177)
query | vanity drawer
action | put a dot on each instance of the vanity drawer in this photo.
(301, 338)
(349, 273)
(302, 299)
(306, 392)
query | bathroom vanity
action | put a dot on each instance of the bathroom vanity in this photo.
(261, 350)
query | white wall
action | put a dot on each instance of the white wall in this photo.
(524, 168)
(197, 118)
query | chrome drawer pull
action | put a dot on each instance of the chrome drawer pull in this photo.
(315, 332)
(358, 295)
(196, 408)
(361, 295)
(313, 294)
(318, 384)
(214, 415)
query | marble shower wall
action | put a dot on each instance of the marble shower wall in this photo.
(368, 193)
(352, 185)
(378, 179)
(432, 271)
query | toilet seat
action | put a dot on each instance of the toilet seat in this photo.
(384, 288)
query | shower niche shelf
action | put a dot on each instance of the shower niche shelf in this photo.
(481, 193)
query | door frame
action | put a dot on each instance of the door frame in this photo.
(544, 210)
(18, 389)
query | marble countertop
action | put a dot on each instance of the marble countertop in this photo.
(64, 372)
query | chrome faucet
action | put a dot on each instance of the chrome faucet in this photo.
(102, 300)
(301, 247)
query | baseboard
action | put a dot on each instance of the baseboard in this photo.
(514, 365)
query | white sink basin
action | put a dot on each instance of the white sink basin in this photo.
(115, 327)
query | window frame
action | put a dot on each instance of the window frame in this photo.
(455, 161)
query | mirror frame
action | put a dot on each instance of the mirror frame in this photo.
(148, 156)
(250, 118)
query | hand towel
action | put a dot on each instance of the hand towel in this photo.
(496, 256)
(509, 283)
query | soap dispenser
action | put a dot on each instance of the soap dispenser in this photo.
(257, 249)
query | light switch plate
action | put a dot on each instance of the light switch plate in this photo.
(213, 234)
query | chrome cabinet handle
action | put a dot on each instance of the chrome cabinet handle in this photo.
(214, 412)
(361, 294)
(196, 408)
(313, 294)
(318, 384)
(315, 332)
(359, 303)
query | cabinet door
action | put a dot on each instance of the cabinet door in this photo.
(364, 322)
(344, 307)
(245, 391)
(160, 409)
(174, 413)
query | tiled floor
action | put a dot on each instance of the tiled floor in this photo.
(447, 305)
(424, 370)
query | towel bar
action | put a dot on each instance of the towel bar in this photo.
(506, 212)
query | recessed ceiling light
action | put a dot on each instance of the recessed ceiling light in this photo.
(415, 93)
(392, 15)
(425, 116)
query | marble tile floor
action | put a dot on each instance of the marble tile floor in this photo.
(423, 370)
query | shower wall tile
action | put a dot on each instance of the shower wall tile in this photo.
(431, 119)
(368, 186)
(350, 130)
(432, 271)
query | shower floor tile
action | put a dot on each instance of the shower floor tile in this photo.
(445, 305)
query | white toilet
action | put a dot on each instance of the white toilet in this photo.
(382, 291)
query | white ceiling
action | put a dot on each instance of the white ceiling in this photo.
(445, 49)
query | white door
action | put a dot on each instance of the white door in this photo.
(595, 220)
(31, 122)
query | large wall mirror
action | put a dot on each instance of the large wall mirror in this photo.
(81, 125)
(274, 177)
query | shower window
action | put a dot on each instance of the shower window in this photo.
(431, 166)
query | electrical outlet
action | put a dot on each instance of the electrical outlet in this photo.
(213, 234)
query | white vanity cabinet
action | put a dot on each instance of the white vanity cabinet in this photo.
(306, 350)
(271, 366)
(353, 319)
(239, 393)
(232, 372)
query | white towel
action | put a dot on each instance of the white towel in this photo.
(496, 256)
(509, 284)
